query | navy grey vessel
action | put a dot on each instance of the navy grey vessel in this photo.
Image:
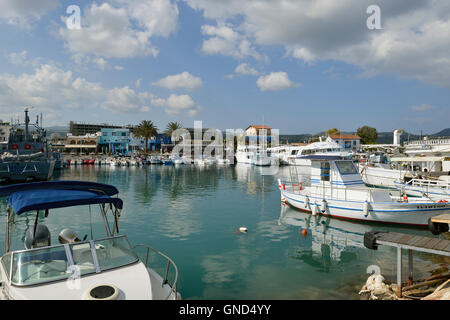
(27, 156)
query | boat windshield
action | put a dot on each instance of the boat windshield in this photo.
(36, 266)
(346, 167)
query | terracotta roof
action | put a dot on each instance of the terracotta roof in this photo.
(258, 127)
(344, 136)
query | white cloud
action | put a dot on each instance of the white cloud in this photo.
(245, 69)
(175, 104)
(275, 81)
(122, 29)
(24, 13)
(225, 41)
(423, 108)
(413, 42)
(184, 80)
(53, 91)
(21, 59)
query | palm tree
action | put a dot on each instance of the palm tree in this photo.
(172, 126)
(146, 129)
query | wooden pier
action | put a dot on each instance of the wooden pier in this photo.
(408, 242)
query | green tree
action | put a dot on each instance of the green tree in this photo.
(146, 129)
(171, 127)
(333, 131)
(367, 134)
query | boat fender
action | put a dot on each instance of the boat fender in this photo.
(314, 210)
(306, 202)
(370, 239)
(324, 205)
(405, 198)
(366, 208)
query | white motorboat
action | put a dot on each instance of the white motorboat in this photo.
(69, 267)
(335, 188)
(323, 148)
(435, 189)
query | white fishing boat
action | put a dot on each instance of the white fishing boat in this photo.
(401, 169)
(69, 267)
(435, 189)
(335, 188)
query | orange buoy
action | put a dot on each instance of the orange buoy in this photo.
(304, 232)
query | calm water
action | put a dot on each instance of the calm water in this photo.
(191, 214)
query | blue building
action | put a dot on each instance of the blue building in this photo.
(158, 142)
(114, 140)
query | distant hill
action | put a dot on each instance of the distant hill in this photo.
(60, 130)
(443, 133)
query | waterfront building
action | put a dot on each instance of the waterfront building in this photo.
(350, 142)
(114, 140)
(5, 128)
(254, 134)
(84, 144)
(80, 128)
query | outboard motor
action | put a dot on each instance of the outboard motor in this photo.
(37, 237)
(68, 236)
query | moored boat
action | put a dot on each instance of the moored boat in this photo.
(335, 188)
(91, 267)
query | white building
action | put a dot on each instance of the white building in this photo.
(350, 142)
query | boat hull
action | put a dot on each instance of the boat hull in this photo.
(29, 170)
(414, 213)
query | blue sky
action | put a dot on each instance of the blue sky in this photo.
(297, 65)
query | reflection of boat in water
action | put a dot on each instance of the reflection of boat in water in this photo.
(328, 240)
(27, 155)
(94, 268)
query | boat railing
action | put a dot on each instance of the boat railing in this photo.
(173, 286)
(428, 183)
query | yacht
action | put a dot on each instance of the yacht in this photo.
(296, 154)
(70, 267)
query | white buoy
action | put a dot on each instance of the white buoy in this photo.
(243, 229)
(314, 210)
(324, 205)
(366, 208)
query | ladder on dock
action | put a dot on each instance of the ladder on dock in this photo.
(408, 242)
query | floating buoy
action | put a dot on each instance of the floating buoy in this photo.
(243, 229)
(304, 232)
(324, 205)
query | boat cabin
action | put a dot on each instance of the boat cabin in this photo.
(334, 171)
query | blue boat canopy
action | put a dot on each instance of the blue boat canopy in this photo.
(58, 194)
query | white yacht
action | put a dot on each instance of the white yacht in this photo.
(297, 154)
(69, 267)
(255, 155)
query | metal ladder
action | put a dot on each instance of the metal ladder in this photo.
(293, 175)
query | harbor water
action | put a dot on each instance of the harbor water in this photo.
(193, 214)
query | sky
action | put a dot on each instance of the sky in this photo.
(300, 66)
